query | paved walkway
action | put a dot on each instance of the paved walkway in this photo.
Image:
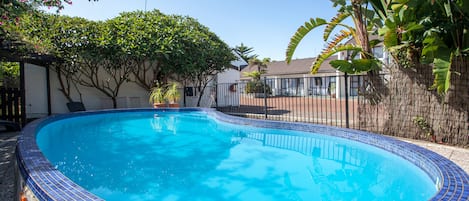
(460, 156)
(8, 141)
(7, 162)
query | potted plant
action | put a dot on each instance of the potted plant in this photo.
(165, 96)
(172, 95)
(157, 97)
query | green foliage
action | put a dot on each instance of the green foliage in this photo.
(331, 51)
(172, 93)
(165, 93)
(300, 34)
(422, 123)
(139, 43)
(9, 74)
(255, 75)
(362, 17)
(245, 52)
(261, 67)
(9, 69)
(257, 86)
(356, 65)
(157, 95)
(429, 31)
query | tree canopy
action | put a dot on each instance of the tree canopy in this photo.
(142, 47)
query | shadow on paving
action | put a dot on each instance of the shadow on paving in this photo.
(7, 165)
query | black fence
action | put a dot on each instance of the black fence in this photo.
(329, 100)
(10, 105)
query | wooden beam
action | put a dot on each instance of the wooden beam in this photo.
(23, 94)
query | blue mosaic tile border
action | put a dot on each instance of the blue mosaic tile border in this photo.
(48, 183)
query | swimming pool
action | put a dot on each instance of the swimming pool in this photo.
(196, 154)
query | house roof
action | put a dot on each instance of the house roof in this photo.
(297, 66)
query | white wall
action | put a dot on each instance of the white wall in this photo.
(35, 86)
(225, 97)
(130, 94)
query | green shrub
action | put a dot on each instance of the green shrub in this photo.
(257, 87)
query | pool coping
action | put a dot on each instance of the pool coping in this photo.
(47, 183)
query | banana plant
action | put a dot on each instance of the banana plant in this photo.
(434, 31)
(362, 17)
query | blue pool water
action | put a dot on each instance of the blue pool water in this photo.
(191, 156)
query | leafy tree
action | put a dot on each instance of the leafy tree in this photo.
(62, 36)
(199, 55)
(142, 36)
(245, 52)
(143, 47)
(11, 12)
(105, 63)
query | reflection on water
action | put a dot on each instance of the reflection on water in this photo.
(189, 156)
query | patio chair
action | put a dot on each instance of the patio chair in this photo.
(9, 126)
(75, 106)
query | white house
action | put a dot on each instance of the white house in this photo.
(295, 79)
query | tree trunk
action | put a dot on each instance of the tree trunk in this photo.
(114, 102)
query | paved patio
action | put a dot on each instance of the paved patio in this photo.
(459, 156)
(7, 162)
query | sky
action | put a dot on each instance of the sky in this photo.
(264, 25)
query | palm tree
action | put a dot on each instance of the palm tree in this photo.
(261, 64)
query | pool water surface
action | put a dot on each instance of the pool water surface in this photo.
(189, 155)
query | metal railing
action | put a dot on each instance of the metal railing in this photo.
(327, 100)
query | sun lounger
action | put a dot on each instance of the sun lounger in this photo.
(75, 106)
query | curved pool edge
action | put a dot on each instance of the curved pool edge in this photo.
(47, 183)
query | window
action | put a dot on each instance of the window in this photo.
(378, 52)
(355, 82)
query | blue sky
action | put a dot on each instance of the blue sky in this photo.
(264, 25)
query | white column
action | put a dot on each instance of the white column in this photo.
(305, 85)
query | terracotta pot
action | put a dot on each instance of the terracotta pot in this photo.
(173, 105)
(165, 105)
(159, 105)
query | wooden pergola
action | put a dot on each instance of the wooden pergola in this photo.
(9, 53)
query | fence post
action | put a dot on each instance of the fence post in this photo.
(347, 115)
(265, 97)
